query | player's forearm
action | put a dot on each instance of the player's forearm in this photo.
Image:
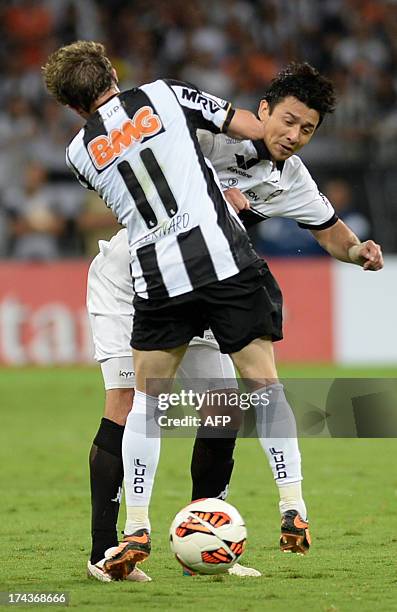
(340, 242)
(346, 251)
(366, 254)
(244, 124)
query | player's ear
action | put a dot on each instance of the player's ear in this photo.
(115, 76)
(263, 110)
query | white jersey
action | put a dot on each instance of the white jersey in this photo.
(140, 152)
(110, 288)
(285, 189)
(110, 298)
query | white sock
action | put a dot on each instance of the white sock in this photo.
(276, 428)
(137, 518)
(141, 452)
(291, 499)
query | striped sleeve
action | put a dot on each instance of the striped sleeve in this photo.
(202, 109)
(76, 173)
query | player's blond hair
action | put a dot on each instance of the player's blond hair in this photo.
(78, 74)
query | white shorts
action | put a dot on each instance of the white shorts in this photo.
(203, 368)
(111, 316)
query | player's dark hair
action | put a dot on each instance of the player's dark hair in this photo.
(305, 83)
(78, 74)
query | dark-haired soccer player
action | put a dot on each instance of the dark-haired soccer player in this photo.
(276, 183)
(140, 152)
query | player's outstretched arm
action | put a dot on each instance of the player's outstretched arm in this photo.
(343, 244)
(244, 124)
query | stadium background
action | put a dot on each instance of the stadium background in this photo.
(49, 226)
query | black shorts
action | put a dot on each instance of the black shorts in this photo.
(238, 310)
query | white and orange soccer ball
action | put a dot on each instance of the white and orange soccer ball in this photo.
(208, 536)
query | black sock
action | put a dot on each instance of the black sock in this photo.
(106, 479)
(212, 462)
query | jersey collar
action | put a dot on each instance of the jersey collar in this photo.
(105, 102)
(263, 153)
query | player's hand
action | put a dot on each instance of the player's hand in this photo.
(236, 199)
(368, 254)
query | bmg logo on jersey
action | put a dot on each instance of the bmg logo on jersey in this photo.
(104, 149)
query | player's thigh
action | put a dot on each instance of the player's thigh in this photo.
(256, 363)
(155, 369)
(244, 308)
(211, 374)
(162, 331)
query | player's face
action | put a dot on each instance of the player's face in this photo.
(288, 128)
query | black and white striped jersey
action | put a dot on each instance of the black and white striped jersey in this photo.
(285, 189)
(140, 152)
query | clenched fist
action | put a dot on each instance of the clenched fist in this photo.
(368, 254)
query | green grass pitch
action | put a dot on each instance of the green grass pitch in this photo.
(48, 419)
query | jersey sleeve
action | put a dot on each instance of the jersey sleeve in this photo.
(309, 207)
(203, 110)
(320, 226)
(76, 173)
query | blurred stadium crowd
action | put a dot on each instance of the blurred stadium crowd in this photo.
(227, 47)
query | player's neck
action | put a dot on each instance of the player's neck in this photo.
(110, 93)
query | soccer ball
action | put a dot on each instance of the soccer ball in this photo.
(208, 536)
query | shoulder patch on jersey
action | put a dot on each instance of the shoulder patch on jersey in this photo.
(204, 100)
